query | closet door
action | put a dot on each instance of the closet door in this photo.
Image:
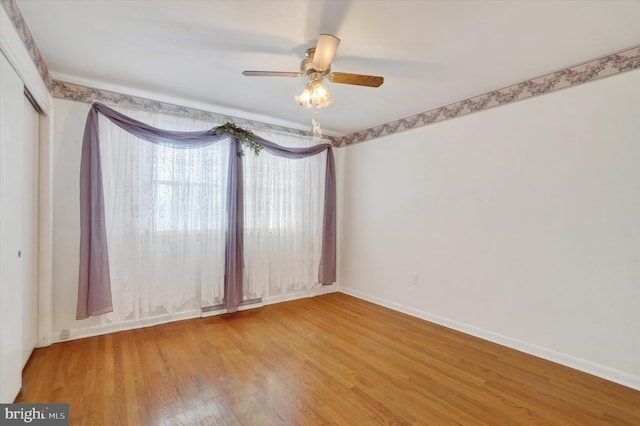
(29, 184)
(11, 269)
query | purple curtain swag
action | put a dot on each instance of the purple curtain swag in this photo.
(94, 283)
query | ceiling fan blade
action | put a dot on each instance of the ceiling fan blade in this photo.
(357, 79)
(325, 50)
(271, 74)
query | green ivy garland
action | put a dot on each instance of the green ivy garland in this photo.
(244, 136)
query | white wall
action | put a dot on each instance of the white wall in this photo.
(68, 130)
(522, 224)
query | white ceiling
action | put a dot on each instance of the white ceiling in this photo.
(430, 53)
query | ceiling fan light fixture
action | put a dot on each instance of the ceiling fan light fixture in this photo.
(304, 98)
(315, 95)
(316, 67)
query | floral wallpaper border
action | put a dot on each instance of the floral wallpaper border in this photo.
(87, 94)
(80, 93)
(605, 66)
(13, 12)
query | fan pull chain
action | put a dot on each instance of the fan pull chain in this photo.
(317, 131)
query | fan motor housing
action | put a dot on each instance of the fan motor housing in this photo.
(307, 66)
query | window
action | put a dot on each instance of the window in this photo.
(166, 220)
(188, 187)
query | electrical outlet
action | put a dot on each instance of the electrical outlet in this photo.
(64, 334)
(414, 279)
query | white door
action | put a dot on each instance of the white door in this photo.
(11, 289)
(29, 185)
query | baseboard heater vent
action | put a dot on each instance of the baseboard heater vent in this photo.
(250, 302)
(219, 309)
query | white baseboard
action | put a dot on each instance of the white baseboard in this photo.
(97, 330)
(270, 300)
(599, 370)
(80, 333)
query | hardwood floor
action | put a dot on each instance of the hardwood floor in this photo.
(332, 359)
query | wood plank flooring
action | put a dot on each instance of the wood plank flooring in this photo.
(332, 359)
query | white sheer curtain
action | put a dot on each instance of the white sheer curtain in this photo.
(165, 216)
(283, 200)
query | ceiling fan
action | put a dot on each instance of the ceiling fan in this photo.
(316, 66)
